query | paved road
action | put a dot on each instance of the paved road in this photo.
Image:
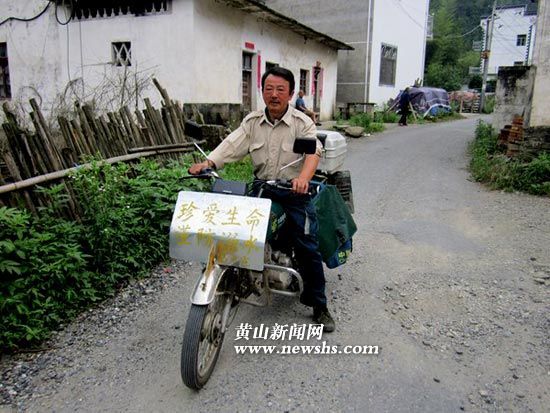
(441, 279)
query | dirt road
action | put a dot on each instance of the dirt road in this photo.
(449, 279)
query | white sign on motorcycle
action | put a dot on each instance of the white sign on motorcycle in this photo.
(235, 226)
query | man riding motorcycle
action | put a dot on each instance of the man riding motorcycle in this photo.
(268, 137)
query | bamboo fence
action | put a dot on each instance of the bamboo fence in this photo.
(46, 155)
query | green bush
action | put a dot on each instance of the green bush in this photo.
(489, 105)
(366, 121)
(476, 81)
(488, 165)
(448, 77)
(53, 268)
(386, 117)
(360, 119)
(45, 275)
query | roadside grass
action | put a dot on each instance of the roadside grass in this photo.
(53, 269)
(490, 165)
(375, 122)
(366, 121)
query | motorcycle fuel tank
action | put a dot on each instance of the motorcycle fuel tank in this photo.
(233, 227)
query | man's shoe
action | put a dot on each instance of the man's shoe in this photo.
(321, 315)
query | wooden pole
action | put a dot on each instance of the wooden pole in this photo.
(52, 176)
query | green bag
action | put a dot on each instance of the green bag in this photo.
(336, 226)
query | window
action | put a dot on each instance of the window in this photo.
(270, 65)
(5, 90)
(247, 61)
(388, 63)
(521, 40)
(518, 63)
(304, 77)
(89, 9)
(122, 53)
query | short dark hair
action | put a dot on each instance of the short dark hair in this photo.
(280, 72)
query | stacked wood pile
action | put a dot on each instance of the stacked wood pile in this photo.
(46, 155)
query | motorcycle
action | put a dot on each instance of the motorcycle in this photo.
(236, 236)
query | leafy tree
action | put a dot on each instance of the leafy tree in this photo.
(456, 26)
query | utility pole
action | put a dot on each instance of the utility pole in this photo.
(486, 55)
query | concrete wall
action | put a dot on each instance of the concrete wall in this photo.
(194, 49)
(345, 20)
(275, 45)
(402, 24)
(365, 25)
(34, 52)
(509, 23)
(539, 114)
(513, 94)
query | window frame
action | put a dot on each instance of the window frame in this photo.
(116, 53)
(521, 40)
(388, 56)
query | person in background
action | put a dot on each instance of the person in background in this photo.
(301, 106)
(404, 106)
(268, 136)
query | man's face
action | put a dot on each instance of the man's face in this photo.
(276, 94)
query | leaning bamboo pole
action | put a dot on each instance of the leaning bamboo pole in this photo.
(52, 176)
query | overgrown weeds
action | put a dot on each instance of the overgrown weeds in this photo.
(367, 122)
(490, 165)
(53, 268)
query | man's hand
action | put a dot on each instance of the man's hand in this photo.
(300, 185)
(196, 169)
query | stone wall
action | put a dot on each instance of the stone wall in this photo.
(227, 114)
(513, 94)
(536, 140)
(539, 114)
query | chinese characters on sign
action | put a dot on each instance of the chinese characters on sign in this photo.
(245, 331)
(235, 225)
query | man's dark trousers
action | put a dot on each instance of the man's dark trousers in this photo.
(302, 228)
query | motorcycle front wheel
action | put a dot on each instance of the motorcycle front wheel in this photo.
(202, 342)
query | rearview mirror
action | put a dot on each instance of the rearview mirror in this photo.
(305, 145)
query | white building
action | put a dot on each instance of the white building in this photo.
(513, 36)
(389, 38)
(201, 51)
(538, 113)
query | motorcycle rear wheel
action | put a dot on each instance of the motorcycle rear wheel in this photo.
(202, 342)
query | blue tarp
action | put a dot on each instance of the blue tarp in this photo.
(426, 100)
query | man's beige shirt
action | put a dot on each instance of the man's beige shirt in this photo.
(269, 145)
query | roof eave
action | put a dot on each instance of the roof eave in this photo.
(279, 19)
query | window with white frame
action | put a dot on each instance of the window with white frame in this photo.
(122, 53)
(521, 40)
(388, 64)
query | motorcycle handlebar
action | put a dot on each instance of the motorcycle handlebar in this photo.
(203, 174)
(284, 184)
